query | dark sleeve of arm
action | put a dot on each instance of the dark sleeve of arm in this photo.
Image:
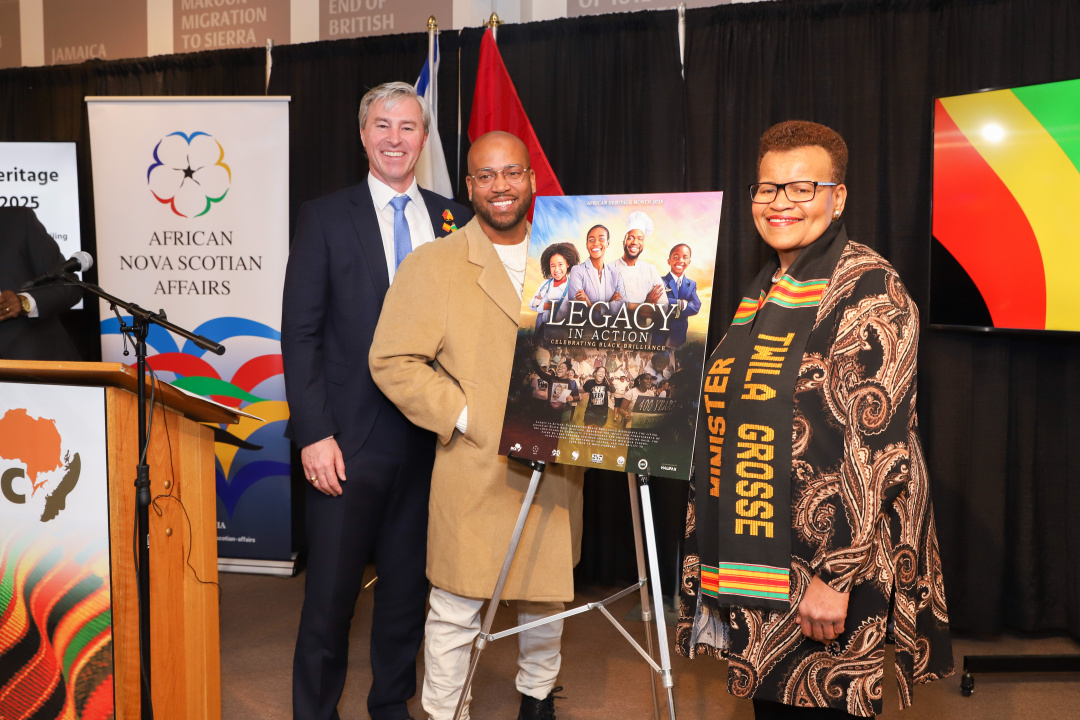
(875, 348)
(303, 317)
(694, 305)
(44, 253)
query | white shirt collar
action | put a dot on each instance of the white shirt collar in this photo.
(382, 194)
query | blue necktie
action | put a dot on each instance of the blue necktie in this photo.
(402, 238)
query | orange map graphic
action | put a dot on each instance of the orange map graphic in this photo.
(33, 441)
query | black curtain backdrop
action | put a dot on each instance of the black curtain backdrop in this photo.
(999, 412)
(326, 81)
(605, 96)
(614, 114)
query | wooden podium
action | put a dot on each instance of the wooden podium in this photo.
(184, 636)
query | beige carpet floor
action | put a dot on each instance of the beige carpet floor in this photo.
(602, 676)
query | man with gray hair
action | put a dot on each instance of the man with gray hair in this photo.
(368, 469)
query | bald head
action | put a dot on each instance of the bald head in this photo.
(501, 185)
(497, 141)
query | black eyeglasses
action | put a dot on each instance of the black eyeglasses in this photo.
(512, 174)
(798, 191)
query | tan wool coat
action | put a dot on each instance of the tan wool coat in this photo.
(446, 339)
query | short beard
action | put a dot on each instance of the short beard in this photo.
(482, 209)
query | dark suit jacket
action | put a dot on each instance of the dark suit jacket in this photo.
(688, 292)
(334, 287)
(27, 250)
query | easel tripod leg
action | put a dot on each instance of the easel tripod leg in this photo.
(489, 616)
(646, 608)
(661, 625)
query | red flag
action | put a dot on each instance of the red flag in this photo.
(496, 106)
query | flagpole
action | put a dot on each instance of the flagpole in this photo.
(432, 31)
(269, 62)
(494, 22)
(682, 39)
(457, 161)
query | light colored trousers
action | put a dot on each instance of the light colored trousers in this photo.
(453, 622)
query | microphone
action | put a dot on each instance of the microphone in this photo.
(79, 262)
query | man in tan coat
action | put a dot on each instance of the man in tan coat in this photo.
(442, 353)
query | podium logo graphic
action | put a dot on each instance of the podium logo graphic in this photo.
(35, 443)
(189, 173)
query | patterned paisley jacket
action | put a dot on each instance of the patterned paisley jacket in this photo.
(861, 513)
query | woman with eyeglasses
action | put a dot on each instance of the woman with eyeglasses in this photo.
(810, 531)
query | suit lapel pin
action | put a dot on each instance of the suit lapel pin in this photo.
(449, 225)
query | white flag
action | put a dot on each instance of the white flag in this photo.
(431, 171)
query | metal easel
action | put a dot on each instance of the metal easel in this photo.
(644, 511)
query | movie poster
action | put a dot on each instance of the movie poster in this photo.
(611, 342)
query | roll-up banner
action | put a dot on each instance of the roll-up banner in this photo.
(191, 197)
(43, 177)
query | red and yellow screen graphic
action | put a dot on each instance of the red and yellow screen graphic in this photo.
(1006, 173)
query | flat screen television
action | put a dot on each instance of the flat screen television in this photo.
(1005, 252)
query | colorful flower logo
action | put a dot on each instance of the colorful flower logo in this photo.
(189, 173)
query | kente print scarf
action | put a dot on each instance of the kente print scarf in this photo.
(742, 457)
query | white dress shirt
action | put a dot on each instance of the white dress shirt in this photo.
(33, 304)
(416, 214)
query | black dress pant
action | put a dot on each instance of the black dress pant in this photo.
(769, 710)
(382, 515)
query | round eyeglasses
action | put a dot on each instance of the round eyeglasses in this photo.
(512, 174)
(798, 191)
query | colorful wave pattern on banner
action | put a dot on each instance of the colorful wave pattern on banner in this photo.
(55, 629)
(1005, 164)
(256, 387)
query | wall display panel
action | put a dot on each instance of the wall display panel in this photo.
(358, 18)
(10, 45)
(1003, 252)
(577, 8)
(76, 31)
(219, 24)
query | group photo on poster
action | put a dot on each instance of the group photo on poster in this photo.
(608, 363)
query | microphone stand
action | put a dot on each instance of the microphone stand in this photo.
(141, 320)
